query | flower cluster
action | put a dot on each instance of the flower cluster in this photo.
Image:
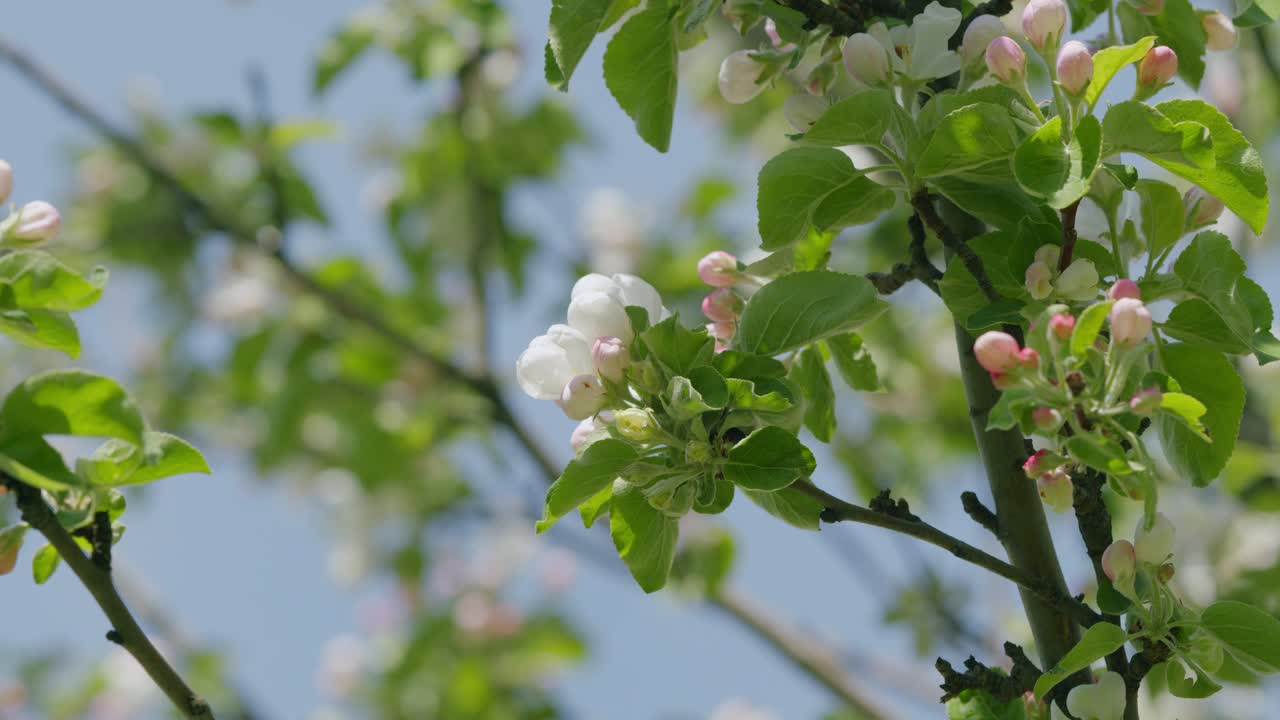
(34, 223)
(723, 306)
(1078, 282)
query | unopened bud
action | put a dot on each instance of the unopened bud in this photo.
(866, 60)
(35, 223)
(738, 76)
(978, 36)
(635, 424)
(1006, 61)
(718, 269)
(1150, 8)
(1202, 208)
(1154, 545)
(1041, 462)
(1028, 359)
(1220, 32)
(611, 357)
(1046, 419)
(722, 305)
(1145, 402)
(997, 352)
(582, 434)
(1079, 281)
(1157, 67)
(1124, 288)
(1056, 490)
(6, 181)
(1062, 325)
(697, 452)
(1043, 22)
(1130, 322)
(722, 331)
(1119, 561)
(1039, 280)
(1075, 67)
(583, 397)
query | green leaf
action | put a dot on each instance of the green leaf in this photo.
(1099, 453)
(734, 364)
(1109, 61)
(601, 464)
(1186, 409)
(1236, 177)
(790, 506)
(960, 290)
(678, 348)
(597, 505)
(991, 194)
(34, 280)
(574, 24)
(338, 52)
(35, 462)
(860, 119)
(640, 70)
(980, 705)
(1163, 215)
(644, 537)
(1060, 173)
(854, 362)
(72, 402)
(1256, 14)
(1088, 326)
(797, 309)
(1208, 376)
(810, 373)
(768, 459)
(1219, 316)
(744, 395)
(1136, 127)
(49, 329)
(1248, 633)
(117, 462)
(968, 138)
(704, 390)
(45, 561)
(814, 186)
(1100, 640)
(1181, 686)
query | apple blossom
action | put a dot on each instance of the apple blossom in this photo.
(611, 357)
(1078, 282)
(1006, 61)
(1048, 254)
(739, 74)
(1046, 419)
(1119, 562)
(1145, 402)
(35, 223)
(1156, 68)
(1103, 700)
(978, 36)
(1220, 32)
(803, 110)
(866, 60)
(722, 331)
(1130, 321)
(551, 361)
(920, 51)
(997, 352)
(1039, 280)
(598, 304)
(1028, 358)
(722, 305)
(1154, 545)
(1202, 208)
(1075, 67)
(6, 181)
(718, 269)
(1043, 22)
(1124, 288)
(1056, 489)
(1062, 325)
(583, 397)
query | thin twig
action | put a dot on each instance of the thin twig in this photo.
(1068, 235)
(923, 204)
(125, 630)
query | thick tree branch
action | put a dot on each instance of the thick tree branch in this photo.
(125, 629)
(838, 510)
(820, 13)
(1094, 521)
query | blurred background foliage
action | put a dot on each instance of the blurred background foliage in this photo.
(427, 496)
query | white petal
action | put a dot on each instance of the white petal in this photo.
(577, 348)
(543, 369)
(636, 291)
(595, 282)
(596, 314)
(887, 39)
(930, 33)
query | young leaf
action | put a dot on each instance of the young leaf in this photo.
(601, 464)
(640, 71)
(1088, 327)
(644, 537)
(768, 459)
(48, 329)
(1109, 61)
(790, 506)
(1219, 315)
(854, 362)
(116, 462)
(1181, 686)
(809, 186)
(1163, 214)
(1099, 453)
(810, 373)
(1187, 410)
(45, 561)
(34, 280)
(1060, 173)
(1136, 127)
(860, 119)
(797, 309)
(678, 348)
(1099, 640)
(1248, 633)
(574, 24)
(72, 402)
(968, 138)
(1208, 376)
(597, 505)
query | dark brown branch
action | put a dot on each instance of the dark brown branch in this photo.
(1094, 521)
(1068, 235)
(923, 204)
(101, 541)
(1141, 664)
(1004, 687)
(820, 13)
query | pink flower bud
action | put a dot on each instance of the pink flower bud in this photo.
(35, 223)
(1042, 461)
(1075, 67)
(738, 75)
(1202, 208)
(978, 36)
(1043, 22)
(718, 269)
(866, 60)
(1028, 359)
(1150, 8)
(771, 31)
(1056, 490)
(1220, 32)
(1039, 280)
(611, 357)
(1145, 402)
(1046, 419)
(1130, 321)
(6, 181)
(722, 305)
(1124, 288)
(722, 331)
(1157, 67)
(582, 397)
(1062, 325)
(1006, 61)
(997, 352)
(1119, 561)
